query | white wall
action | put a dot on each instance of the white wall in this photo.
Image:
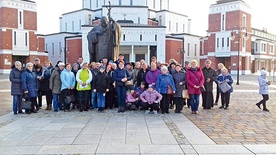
(77, 18)
(129, 13)
(114, 2)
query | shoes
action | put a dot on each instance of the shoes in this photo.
(47, 108)
(167, 112)
(226, 108)
(221, 107)
(196, 112)
(20, 112)
(155, 112)
(81, 110)
(147, 112)
(266, 110)
(66, 110)
(258, 105)
(15, 113)
(34, 111)
(193, 112)
(55, 110)
(216, 103)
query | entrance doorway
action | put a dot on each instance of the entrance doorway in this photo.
(22, 59)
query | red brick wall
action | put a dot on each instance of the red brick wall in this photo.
(30, 20)
(74, 47)
(152, 23)
(210, 44)
(6, 42)
(2, 61)
(8, 17)
(214, 22)
(32, 41)
(41, 44)
(172, 46)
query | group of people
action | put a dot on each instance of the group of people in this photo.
(128, 86)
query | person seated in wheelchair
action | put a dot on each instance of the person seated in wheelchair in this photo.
(150, 99)
(131, 99)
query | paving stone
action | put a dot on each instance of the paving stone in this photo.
(19, 149)
(60, 141)
(262, 149)
(118, 148)
(160, 149)
(221, 149)
(87, 139)
(67, 149)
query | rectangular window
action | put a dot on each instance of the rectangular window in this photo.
(217, 42)
(271, 49)
(183, 28)
(243, 42)
(73, 28)
(223, 22)
(89, 19)
(53, 48)
(228, 42)
(160, 20)
(141, 37)
(14, 38)
(222, 42)
(26, 39)
(160, 4)
(20, 17)
(80, 24)
(59, 46)
(176, 27)
(124, 37)
(154, 4)
(264, 47)
(131, 2)
(169, 25)
(120, 2)
(155, 38)
(65, 26)
(244, 21)
(188, 51)
(256, 48)
(195, 48)
(97, 3)
(138, 20)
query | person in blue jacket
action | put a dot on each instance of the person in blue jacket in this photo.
(120, 77)
(68, 82)
(164, 81)
(225, 97)
(16, 86)
(30, 86)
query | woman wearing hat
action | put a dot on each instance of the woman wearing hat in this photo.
(131, 99)
(101, 87)
(150, 99)
(263, 90)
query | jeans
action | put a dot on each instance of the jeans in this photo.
(121, 95)
(94, 99)
(194, 98)
(83, 99)
(101, 100)
(17, 103)
(56, 101)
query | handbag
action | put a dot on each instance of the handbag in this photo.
(224, 87)
(69, 98)
(202, 89)
(170, 91)
(128, 82)
(26, 103)
(185, 94)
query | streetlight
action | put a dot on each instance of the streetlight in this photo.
(232, 37)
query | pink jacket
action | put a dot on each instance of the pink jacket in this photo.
(150, 97)
(194, 78)
(130, 98)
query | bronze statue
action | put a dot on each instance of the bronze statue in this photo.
(104, 39)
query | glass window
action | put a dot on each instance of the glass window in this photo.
(222, 42)
(141, 37)
(188, 51)
(53, 48)
(217, 42)
(195, 48)
(14, 38)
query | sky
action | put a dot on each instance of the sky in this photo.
(262, 12)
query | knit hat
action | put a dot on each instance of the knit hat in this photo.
(61, 64)
(36, 59)
(151, 86)
(102, 67)
(132, 88)
(263, 72)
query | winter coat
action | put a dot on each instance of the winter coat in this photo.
(152, 76)
(46, 79)
(150, 97)
(179, 77)
(84, 76)
(194, 78)
(141, 77)
(222, 78)
(209, 73)
(134, 75)
(263, 85)
(16, 84)
(101, 83)
(110, 79)
(163, 82)
(67, 79)
(39, 81)
(29, 82)
(119, 74)
(130, 98)
(139, 91)
(55, 82)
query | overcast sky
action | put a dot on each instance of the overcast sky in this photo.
(263, 12)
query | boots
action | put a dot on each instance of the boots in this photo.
(264, 107)
(50, 107)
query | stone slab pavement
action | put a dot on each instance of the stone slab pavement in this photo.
(243, 129)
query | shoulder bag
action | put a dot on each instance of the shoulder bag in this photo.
(224, 87)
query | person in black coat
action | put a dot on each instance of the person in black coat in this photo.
(179, 78)
(110, 98)
(209, 76)
(100, 87)
(141, 76)
(16, 86)
(45, 84)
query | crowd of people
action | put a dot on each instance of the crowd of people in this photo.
(154, 88)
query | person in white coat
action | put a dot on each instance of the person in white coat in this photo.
(263, 90)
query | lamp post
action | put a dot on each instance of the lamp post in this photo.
(238, 31)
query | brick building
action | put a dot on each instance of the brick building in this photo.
(18, 34)
(230, 39)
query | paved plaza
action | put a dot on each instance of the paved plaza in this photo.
(243, 129)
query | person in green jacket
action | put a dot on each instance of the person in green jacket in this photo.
(84, 78)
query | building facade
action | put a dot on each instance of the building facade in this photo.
(19, 40)
(230, 39)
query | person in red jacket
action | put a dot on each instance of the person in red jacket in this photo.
(195, 81)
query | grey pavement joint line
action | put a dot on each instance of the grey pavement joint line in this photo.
(147, 129)
(178, 135)
(102, 134)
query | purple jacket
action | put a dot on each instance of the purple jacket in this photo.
(130, 98)
(150, 97)
(152, 76)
